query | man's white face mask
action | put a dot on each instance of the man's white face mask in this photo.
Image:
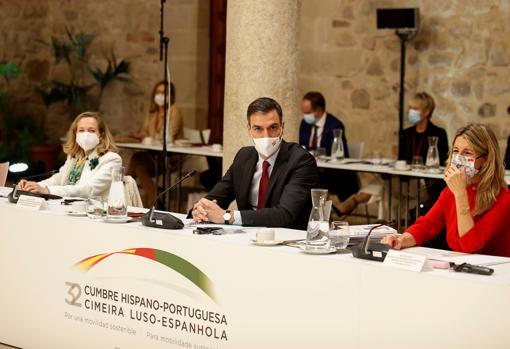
(267, 146)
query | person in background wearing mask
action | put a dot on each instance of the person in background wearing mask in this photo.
(143, 165)
(91, 155)
(316, 130)
(270, 181)
(415, 138)
(475, 205)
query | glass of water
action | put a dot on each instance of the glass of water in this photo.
(339, 234)
(95, 207)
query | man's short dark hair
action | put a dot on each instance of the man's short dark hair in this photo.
(264, 105)
(316, 100)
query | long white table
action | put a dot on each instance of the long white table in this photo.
(203, 150)
(256, 297)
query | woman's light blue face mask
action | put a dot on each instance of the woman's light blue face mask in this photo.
(414, 116)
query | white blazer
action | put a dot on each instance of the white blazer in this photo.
(92, 182)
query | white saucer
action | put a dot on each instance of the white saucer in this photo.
(266, 243)
(76, 214)
(318, 251)
(117, 220)
(407, 168)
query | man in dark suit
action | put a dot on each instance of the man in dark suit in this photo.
(316, 130)
(270, 181)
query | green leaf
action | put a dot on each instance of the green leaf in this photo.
(10, 71)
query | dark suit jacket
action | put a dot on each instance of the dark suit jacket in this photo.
(332, 123)
(405, 151)
(507, 154)
(288, 199)
(341, 183)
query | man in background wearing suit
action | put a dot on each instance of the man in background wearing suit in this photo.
(316, 130)
(270, 181)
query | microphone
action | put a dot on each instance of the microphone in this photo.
(374, 251)
(15, 193)
(165, 220)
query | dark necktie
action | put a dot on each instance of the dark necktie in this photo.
(314, 138)
(264, 181)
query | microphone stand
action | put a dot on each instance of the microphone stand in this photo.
(163, 55)
(372, 251)
(164, 220)
(15, 193)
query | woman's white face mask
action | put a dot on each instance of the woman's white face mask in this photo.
(159, 99)
(87, 140)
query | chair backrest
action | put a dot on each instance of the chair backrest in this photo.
(192, 135)
(356, 150)
(131, 192)
(4, 169)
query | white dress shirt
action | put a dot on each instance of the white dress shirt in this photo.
(320, 128)
(255, 181)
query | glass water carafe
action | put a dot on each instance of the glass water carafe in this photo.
(117, 207)
(432, 160)
(337, 148)
(318, 224)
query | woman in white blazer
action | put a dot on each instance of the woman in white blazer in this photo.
(91, 155)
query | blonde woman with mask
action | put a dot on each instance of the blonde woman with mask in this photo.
(91, 155)
(474, 207)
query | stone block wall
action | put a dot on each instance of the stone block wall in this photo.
(130, 27)
(460, 56)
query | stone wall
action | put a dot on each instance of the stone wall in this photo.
(130, 27)
(460, 56)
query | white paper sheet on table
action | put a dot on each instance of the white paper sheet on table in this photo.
(459, 257)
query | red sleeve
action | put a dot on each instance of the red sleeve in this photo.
(428, 226)
(492, 222)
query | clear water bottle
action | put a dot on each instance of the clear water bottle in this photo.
(117, 208)
(317, 237)
(337, 148)
(432, 161)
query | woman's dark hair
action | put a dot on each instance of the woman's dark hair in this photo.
(264, 105)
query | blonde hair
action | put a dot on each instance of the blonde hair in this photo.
(105, 145)
(426, 101)
(492, 173)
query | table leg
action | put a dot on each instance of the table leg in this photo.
(399, 212)
(406, 213)
(418, 186)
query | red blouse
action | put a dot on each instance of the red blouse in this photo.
(490, 234)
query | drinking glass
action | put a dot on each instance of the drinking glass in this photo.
(417, 163)
(320, 153)
(339, 234)
(95, 207)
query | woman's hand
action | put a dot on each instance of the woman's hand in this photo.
(399, 242)
(456, 180)
(32, 187)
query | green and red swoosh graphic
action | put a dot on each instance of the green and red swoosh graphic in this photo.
(172, 261)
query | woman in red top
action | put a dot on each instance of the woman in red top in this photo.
(475, 206)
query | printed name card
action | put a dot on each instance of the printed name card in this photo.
(407, 261)
(31, 202)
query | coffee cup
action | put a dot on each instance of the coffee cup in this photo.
(400, 165)
(264, 235)
(78, 206)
